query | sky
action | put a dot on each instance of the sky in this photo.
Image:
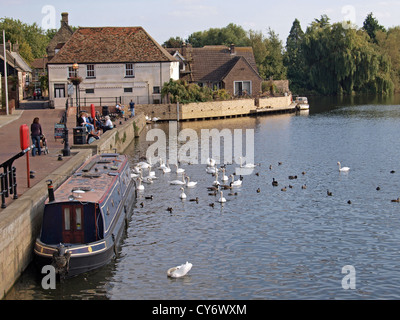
(163, 19)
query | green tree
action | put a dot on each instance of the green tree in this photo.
(272, 66)
(294, 57)
(176, 42)
(372, 26)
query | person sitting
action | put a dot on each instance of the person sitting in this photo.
(93, 136)
(120, 109)
(108, 125)
(83, 121)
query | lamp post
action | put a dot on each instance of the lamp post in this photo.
(75, 67)
(66, 151)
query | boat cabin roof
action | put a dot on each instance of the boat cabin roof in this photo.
(93, 180)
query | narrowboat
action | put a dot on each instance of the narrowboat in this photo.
(84, 219)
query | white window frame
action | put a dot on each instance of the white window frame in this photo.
(90, 71)
(242, 82)
(129, 70)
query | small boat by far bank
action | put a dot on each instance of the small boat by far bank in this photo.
(302, 103)
(84, 219)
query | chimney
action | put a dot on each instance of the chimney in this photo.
(64, 18)
(232, 48)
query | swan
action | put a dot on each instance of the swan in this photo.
(179, 271)
(143, 165)
(167, 169)
(183, 194)
(224, 177)
(136, 169)
(140, 187)
(248, 165)
(151, 173)
(179, 182)
(216, 182)
(344, 169)
(211, 170)
(162, 164)
(222, 199)
(190, 184)
(211, 162)
(179, 170)
(155, 119)
(236, 183)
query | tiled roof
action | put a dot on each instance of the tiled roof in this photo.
(213, 63)
(39, 63)
(111, 45)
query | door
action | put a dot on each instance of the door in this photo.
(73, 224)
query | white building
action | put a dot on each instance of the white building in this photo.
(116, 64)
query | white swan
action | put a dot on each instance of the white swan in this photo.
(211, 170)
(179, 170)
(248, 165)
(179, 182)
(211, 162)
(140, 187)
(344, 169)
(179, 271)
(151, 173)
(167, 169)
(224, 177)
(222, 199)
(216, 182)
(162, 164)
(236, 183)
(190, 184)
(183, 194)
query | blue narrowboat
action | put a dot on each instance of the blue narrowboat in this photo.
(84, 219)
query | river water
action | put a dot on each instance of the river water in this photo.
(269, 244)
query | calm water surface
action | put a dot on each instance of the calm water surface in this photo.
(271, 244)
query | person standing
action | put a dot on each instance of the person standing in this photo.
(36, 133)
(132, 107)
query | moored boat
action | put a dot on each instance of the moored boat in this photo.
(84, 219)
(302, 103)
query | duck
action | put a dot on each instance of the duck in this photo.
(378, 188)
(248, 165)
(284, 189)
(232, 194)
(179, 271)
(304, 186)
(169, 209)
(329, 193)
(183, 194)
(149, 197)
(195, 200)
(140, 187)
(258, 190)
(214, 188)
(396, 200)
(222, 199)
(236, 183)
(344, 169)
(190, 184)
(292, 177)
(274, 182)
(211, 205)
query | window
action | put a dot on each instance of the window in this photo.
(71, 72)
(242, 88)
(90, 71)
(156, 90)
(67, 219)
(59, 90)
(128, 90)
(89, 90)
(129, 70)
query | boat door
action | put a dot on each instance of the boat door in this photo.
(73, 224)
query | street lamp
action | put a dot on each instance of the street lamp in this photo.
(75, 67)
(66, 151)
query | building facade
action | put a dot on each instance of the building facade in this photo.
(115, 65)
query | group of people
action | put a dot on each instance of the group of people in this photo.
(94, 126)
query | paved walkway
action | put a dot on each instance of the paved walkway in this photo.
(10, 143)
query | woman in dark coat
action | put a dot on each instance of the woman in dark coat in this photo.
(36, 133)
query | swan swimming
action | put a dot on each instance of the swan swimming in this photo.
(183, 194)
(224, 176)
(179, 182)
(140, 187)
(344, 169)
(236, 183)
(248, 165)
(222, 199)
(179, 271)
(167, 169)
(179, 170)
(190, 184)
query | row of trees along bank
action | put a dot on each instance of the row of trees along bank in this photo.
(328, 59)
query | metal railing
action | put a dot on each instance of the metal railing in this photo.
(9, 177)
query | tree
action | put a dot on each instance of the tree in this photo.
(272, 66)
(371, 26)
(176, 42)
(294, 58)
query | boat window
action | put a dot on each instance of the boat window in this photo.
(67, 215)
(78, 214)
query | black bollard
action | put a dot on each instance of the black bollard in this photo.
(3, 196)
(14, 172)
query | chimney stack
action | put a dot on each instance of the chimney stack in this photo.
(64, 18)
(232, 48)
